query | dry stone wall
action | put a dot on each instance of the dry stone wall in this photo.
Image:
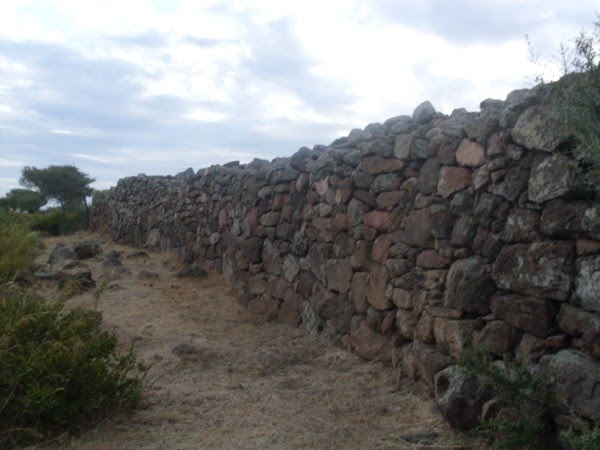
(408, 240)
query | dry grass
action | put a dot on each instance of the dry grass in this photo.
(239, 383)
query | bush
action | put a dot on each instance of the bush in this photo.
(522, 416)
(588, 439)
(18, 247)
(58, 371)
(575, 99)
(49, 222)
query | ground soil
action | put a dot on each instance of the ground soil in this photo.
(239, 383)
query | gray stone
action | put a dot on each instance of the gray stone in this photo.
(575, 378)
(460, 397)
(587, 283)
(536, 130)
(423, 113)
(543, 269)
(469, 286)
(552, 177)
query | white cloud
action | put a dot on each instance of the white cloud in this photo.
(128, 84)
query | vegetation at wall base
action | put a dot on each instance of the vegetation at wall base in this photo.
(58, 370)
(587, 439)
(522, 416)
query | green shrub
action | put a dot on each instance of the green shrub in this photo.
(18, 247)
(588, 439)
(523, 418)
(575, 99)
(49, 222)
(58, 371)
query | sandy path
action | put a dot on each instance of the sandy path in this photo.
(242, 383)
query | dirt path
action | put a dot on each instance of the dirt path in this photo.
(238, 383)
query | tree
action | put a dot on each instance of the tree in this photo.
(64, 184)
(23, 200)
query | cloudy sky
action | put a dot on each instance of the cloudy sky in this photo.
(124, 87)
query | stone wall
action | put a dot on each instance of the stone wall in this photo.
(407, 240)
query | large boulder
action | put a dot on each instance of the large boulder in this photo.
(535, 129)
(469, 286)
(575, 378)
(543, 269)
(460, 397)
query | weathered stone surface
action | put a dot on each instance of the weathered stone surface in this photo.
(453, 179)
(358, 292)
(470, 154)
(376, 287)
(381, 247)
(591, 343)
(575, 378)
(522, 225)
(368, 344)
(252, 249)
(452, 336)
(424, 226)
(469, 286)
(264, 307)
(429, 176)
(552, 177)
(338, 273)
(575, 321)
(544, 269)
(423, 113)
(431, 259)
(561, 218)
(496, 337)
(291, 268)
(536, 130)
(61, 253)
(587, 283)
(86, 249)
(377, 165)
(379, 220)
(529, 314)
(460, 397)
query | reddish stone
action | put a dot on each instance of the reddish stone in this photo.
(388, 323)
(389, 199)
(358, 292)
(586, 247)
(529, 314)
(591, 343)
(302, 182)
(424, 226)
(424, 330)
(340, 221)
(222, 218)
(402, 298)
(252, 217)
(555, 343)
(379, 220)
(430, 259)
(453, 179)
(264, 307)
(381, 247)
(289, 315)
(368, 344)
(377, 165)
(257, 284)
(376, 287)
(406, 321)
(470, 154)
(530, 349)
(496, 337)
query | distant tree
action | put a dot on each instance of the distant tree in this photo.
(23, 200)
(66, 185)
